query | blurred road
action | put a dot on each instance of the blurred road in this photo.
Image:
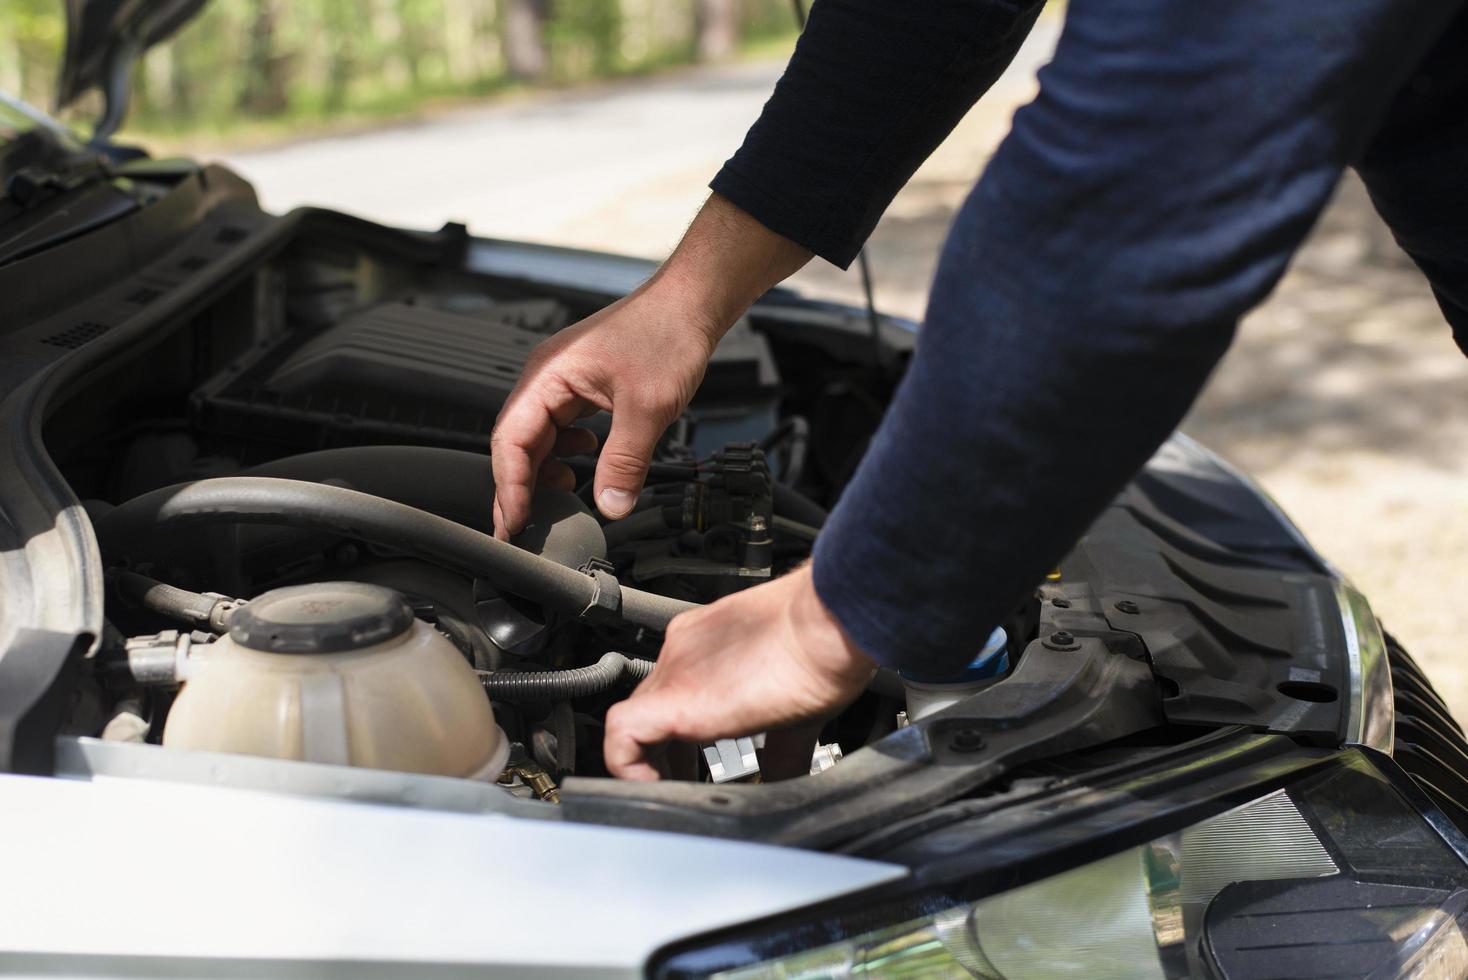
(1344, 395)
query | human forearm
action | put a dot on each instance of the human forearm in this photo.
(725, 261)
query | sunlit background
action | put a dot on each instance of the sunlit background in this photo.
(598, 122)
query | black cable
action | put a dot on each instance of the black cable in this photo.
(794, 435)
(656, 473)
(561, 685)
(563, 725)
(863, 267)
(795, 529)
(795, 505)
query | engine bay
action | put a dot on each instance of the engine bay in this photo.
(196, 562)
(288, 485)
(233, 463)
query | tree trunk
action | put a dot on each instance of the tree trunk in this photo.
(266, 90)
(526, 56)
(716, 23)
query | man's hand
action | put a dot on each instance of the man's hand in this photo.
(641, 359)
(761, 659)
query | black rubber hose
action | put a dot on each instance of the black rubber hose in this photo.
(562, 685)
(798, 507)
(563, 724)
(794, 435)
(452, 483)
(656, 473)
(644, 524)
(208, 612)
(795, 529)
(295, 503)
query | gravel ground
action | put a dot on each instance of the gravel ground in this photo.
(1344, 395)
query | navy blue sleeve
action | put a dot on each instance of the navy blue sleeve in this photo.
(1175, 158)
(1414, 170)
(872, 89)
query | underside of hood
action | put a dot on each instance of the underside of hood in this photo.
(104, 39)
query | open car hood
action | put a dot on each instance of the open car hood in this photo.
(104, 38)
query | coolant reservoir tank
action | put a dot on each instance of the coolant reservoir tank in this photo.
(340, 673)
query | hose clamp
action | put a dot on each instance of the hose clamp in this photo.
(606, 602)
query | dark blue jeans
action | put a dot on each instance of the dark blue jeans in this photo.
(1175, 158)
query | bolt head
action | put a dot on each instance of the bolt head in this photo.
(1062, 640)
(966, 740)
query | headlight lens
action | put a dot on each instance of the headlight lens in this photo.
(1336, 876)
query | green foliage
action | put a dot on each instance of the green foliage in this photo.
(295, 63)
(584, 38)
(31, 35)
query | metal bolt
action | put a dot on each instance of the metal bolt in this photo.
(1061, 640)
(1128, 606)
(966, 740)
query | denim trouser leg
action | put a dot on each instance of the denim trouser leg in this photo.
(1176, 156)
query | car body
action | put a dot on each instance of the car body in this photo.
(1203, 758)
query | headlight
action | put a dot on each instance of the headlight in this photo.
(1335, 876)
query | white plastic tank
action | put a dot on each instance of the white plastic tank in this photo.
(339, 673)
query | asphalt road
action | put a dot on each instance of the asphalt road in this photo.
(1343, 396)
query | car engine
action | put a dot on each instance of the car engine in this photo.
(296, 524)
(323, 576)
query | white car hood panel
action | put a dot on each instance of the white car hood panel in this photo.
(138, 877)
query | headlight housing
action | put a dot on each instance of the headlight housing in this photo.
(1337, 875)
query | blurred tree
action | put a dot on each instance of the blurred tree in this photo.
(459, 30)
(305, 60)
(716, 25)
(30, 48)
(338, 20)
(527, 53)
(584, 38)
(265, 87)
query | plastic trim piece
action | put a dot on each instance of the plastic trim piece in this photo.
(1370, 718)
(1190, 444)
(1054, 702)
(36, 676)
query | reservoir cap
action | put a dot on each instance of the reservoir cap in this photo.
(326, 617)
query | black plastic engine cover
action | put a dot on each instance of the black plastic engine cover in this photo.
(1248, 634)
